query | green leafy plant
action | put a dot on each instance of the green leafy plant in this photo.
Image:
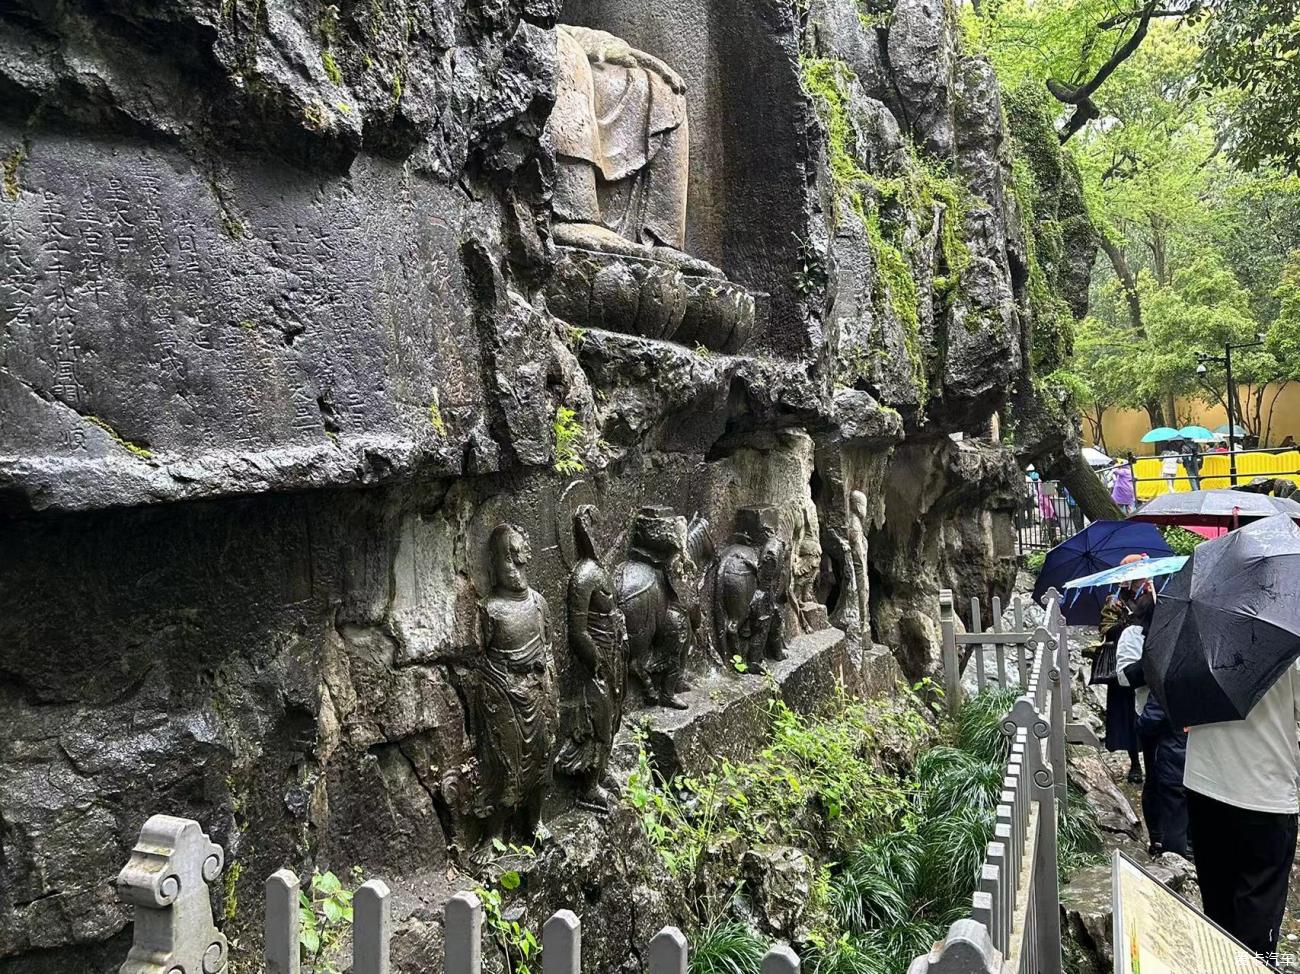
(568, 438)
(727, 947)
(1181, 541)
(1034, 561)
(978, 724)
(519, 948)
(324, 919)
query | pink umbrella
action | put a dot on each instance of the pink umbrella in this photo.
(1208, 533)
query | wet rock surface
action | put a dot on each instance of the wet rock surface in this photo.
(280, 355)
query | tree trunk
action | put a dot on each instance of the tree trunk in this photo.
(1127, 281)
(1086, 487)
(1171, 411)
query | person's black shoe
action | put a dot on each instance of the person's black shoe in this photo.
(1135, 776)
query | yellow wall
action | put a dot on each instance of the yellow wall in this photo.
(1124, 428)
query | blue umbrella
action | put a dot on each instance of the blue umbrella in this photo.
(1146, 568)
(1198, 433)
(1160, 434)
(1237, 431)
(1101, 545)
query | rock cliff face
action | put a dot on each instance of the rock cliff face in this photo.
(281, 347)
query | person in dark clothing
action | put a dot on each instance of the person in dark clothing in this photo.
(1164, 748)
(1121, 715)
(1192, 463)
(1241, 791)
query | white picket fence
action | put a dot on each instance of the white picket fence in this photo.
(167, 880)
(1015, 921)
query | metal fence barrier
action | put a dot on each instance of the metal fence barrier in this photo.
(1015, 921)
(1045, 517)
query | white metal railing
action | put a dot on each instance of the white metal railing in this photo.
(1015, 921)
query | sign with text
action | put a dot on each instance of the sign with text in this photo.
(1158, 932)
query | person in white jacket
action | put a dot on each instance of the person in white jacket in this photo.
(1241, 795)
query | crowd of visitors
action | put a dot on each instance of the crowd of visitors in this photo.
(1223, 794)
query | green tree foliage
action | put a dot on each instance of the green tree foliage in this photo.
(1197, 250)
(1250, 47)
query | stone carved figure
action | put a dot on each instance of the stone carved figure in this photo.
(658, 591)
(621, 140)
(805, 566)
(752, 591)
(166, 880)
(858, 545)
(598, 639)
(511, 695)
(839, 582)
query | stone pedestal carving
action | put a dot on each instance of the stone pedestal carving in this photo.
(511, 696)
(167, 880)
(598, 640)
(642, 296)
(752, 589)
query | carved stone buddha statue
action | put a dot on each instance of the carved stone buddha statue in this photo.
(622, 148)
(621, 139)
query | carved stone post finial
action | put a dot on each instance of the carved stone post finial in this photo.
(167, 880)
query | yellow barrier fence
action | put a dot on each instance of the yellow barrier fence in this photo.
(1215, 471)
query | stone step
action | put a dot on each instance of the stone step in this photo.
(728, 711)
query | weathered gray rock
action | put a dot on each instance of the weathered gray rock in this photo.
(727, 710)
(278, 357)
(779, 880)
(1114, 813)
(1087, 917)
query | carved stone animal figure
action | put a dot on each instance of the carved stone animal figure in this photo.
(748, 601)
(657, 589)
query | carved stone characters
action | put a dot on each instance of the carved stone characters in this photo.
(511, 695)
(658, 591)
(598, 640)
(620, 134)
(751, 591)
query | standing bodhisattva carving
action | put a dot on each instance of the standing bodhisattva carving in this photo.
(858, 545)
(511, 695)
(167, 880)
(598, 639)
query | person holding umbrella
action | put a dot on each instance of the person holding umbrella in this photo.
(1121, 487)
(1221, 657)
(1164, 801)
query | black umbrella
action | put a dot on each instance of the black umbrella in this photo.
(1227, 625)
(1213, 508)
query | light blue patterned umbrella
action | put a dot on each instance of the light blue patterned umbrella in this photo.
(1146, 568)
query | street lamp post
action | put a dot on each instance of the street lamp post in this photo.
(1226, 361)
